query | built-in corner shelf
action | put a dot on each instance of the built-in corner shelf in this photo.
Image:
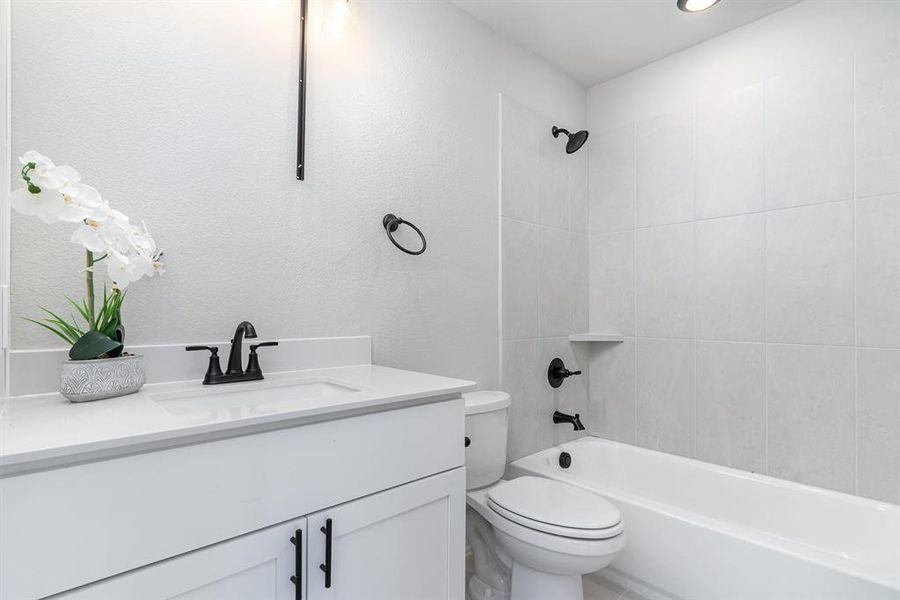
(596, 337)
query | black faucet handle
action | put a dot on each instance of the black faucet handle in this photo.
(213, 349)
(253, 347)
(214, 369)
(253, 362)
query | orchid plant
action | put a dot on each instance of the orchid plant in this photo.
(55, 194)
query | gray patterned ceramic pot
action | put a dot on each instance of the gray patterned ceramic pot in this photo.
(85, 380)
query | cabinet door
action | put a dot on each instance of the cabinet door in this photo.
(406, 543)
(258, 565)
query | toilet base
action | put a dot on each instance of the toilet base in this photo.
(476, 589)
(530, 584)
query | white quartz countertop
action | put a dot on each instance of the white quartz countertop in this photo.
(46, 430)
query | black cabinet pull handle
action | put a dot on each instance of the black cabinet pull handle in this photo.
(297, 577)
(326, 568)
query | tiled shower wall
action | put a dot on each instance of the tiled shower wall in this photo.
(747, 243)
(544, 265)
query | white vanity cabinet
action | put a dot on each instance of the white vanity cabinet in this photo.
(403, 543)
(214, 520)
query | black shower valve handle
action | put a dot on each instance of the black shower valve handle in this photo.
(557, 372)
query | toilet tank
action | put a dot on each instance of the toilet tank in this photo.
(486, 421)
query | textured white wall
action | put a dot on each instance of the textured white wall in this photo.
(184, 115)
(745, 236)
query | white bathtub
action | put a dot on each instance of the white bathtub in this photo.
(701, 531)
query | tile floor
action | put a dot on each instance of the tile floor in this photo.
(605, 590)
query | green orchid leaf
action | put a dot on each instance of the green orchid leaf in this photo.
(71, 329)
(82, 310)
(94, 344)
(56, 331)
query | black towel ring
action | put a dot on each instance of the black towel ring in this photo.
(392, 222)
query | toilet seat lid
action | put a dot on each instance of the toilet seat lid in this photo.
(537, 501)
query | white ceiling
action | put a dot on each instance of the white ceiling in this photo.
(596, 40)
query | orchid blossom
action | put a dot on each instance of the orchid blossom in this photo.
(55, 194)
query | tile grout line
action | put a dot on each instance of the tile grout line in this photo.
(553, 227)
(765, 289)
(694, 260)
(634, 175)
(855, 275)
(731, 216)
(500, 328)
(755, 342)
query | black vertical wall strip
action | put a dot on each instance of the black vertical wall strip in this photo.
(301, 96)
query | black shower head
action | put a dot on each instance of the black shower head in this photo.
(576, 140)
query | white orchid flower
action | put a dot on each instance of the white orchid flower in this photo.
(88, 235)
(143, 241)
(83, 195)
(51, 206)
(121, 269)
(46, 175)
(104, 230)
(36, 157)
(125, 269)
(41, 173)
(30, 204)
(54, 194)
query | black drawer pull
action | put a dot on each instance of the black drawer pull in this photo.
(326, 568)
(297, 577)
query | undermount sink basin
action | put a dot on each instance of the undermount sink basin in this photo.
(241, 400)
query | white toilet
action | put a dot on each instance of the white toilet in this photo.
(532, 538)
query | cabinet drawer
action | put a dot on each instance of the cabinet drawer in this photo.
(67, 527)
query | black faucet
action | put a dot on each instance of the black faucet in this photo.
(574, 420)
(235, 370)
(244, 329)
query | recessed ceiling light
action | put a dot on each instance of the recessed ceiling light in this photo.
(695, 5)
